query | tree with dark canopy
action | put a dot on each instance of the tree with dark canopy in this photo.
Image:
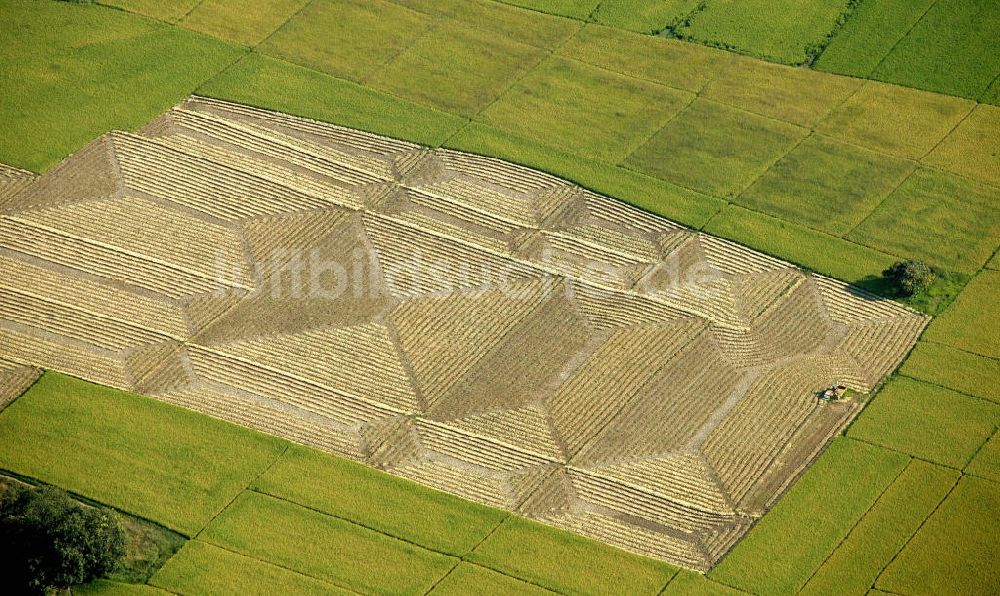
(909, 277)
(48, 541)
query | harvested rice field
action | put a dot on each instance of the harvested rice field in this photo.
(472, 325)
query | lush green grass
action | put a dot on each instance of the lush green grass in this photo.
(599, 114)
(158, 9)
(653, 195)
(927, 421)
(987, 461)
(972, 149)
(952, 49)
(105, 587)
(324, 547)
(687, 583)
(826, 185)
(404, 509)
(270, 83)
(165, 463)
(945, 220)
(795, 95)
(970, 323)
(575, 9)
(826, 254)
(874, 28)
(943, 365)
(473, 579)
(240, 22)
(782, 31)
(644, 16)
(347, 38)
(955, 551)
(793, 539)
(202, 568)
(147, 545)
(499, 20)
(898, 121)
(456, 68)
(882, 532)
(568, 563)
(715, 149)
(673, 63)
(82, 70)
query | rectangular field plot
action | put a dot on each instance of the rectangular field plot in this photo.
(600, 114)
(795, 95)
(466, 323)
(873, 29)
(927, 421)
(430, 518)
(973, 148)
(950, 367)
(643, 16)
(955, 550)
(883, 531)
(473, 579)
(369, 33)
(826, 185)
(169, 466)
(970, 322)
(455, 68)
(566, 563)
(715, 149)
(673, 63)
(819, 511)
(239, 22)
(948, 221)
(69, 57)
(204, 568)
(895, 120)
(952, 50)
(324, 547)
(783, 31)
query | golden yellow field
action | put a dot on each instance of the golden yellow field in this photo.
(477, 326)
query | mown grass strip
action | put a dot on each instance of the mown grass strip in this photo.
(168, 464)
(391, 505)
(812, 249)
(202, 568)
(653, 195)
(955, 550)
(324, 547)
(884, 530)
(566, 562)
(791, 541)
(276, 85)
(927, 421)
(943, 365)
